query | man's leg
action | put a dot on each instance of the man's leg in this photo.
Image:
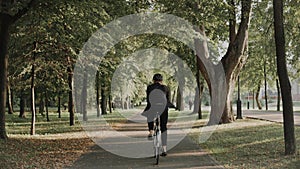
(164, 135)
(150, 128)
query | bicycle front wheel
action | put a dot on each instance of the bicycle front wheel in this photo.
(156, 148)
(157, 154)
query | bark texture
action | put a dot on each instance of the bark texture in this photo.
(288, 113)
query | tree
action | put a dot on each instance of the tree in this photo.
(33, 115)
(210, 14)
(61, 28)
(9, 99)
(235, 57)
(7, 18)
(288, 115)
(261, 63)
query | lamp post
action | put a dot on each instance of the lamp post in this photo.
(239, 102)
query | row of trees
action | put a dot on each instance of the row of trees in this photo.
(260, 69)
(46, 38)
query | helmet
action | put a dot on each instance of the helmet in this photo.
(158, 77)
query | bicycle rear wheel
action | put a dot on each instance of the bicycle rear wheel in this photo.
(156, 155)
(156, 148)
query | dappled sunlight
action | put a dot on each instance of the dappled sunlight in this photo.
(188, 153)
(58, 136)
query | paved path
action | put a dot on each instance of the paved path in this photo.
(186, 155)
(275, 116)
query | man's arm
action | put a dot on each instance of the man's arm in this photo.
(147, 99)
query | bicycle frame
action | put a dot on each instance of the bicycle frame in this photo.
(157, 138)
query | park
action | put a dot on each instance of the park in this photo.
(75, 77)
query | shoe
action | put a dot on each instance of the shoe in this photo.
(164, 154)
(150, 136)
(151, 133)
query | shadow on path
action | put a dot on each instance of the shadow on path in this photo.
(186, 154)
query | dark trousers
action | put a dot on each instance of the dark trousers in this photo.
(163, 127)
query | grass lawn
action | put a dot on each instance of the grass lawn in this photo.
(252, 147)
(16, 125)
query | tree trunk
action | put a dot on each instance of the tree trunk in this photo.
(180, 90)
(173, 96)
(199, 91)
(278, 95)
(33, 113)
(253, 99)
(233, 61)
(12, 99)
(70, 84)
(4, 36)
(59, 105)
(122, 99)
(179, 99)
(98, 100)
(47, 105)
(129, 102)
(110, 104)
(266, 89)
(9, 100)
(288, 113)
(77, 100)
(5, 21)
(98, 94)
(42, 105)
(103, 100)
(84, 97)
(198, 101)
(228, 115)
(257, 99)
(22, 105)
(235, 58)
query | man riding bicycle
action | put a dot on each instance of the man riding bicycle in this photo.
(158, 101)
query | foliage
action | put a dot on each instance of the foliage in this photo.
(292, 34)
(262, 46)
(60, 29)
(261, 49)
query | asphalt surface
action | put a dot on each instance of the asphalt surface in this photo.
(271, 115)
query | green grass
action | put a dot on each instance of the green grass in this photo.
(252, 147)
(116, 117)
(17, 125)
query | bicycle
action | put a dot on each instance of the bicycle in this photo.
(157, 138)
